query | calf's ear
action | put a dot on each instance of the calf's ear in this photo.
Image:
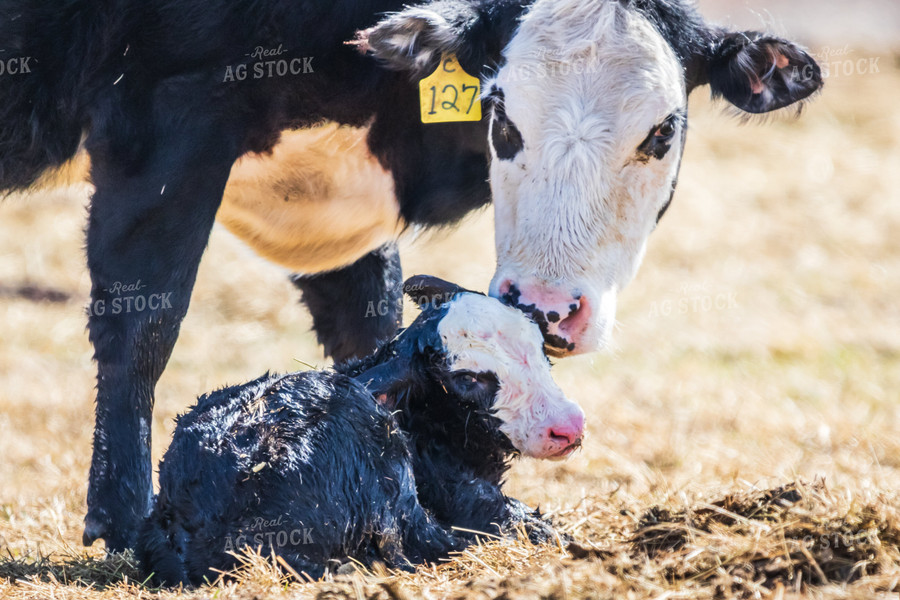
(403, 368)
(759, 73)
(387, 380)
(415, 39)
(427, 290)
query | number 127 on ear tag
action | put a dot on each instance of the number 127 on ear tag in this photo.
(450, 94)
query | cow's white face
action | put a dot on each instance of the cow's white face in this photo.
(586, 138)
(587, 106)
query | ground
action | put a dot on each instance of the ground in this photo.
(742, 432)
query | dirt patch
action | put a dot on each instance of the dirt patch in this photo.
(794, 537)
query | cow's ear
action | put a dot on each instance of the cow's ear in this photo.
(414, 39)
(759, 73)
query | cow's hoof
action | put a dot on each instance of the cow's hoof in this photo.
(94, 529)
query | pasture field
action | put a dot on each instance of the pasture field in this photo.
(743, 432)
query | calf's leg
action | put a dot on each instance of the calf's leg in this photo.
(358, 306)
(148, 227)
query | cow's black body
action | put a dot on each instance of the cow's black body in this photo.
(309, 466)
(146, 85)
(146, 82)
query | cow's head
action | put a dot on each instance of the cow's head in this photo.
(588, 107)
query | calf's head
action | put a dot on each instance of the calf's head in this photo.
(469, 357)
(587, 102)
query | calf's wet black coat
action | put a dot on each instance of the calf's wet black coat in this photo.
(377, 460)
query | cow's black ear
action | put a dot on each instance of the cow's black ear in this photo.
(427, 290)
(415, 39)
(760, 73)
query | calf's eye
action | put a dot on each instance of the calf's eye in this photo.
(468, 378)
(469, 382)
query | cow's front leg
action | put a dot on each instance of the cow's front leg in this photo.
(356, 307)
(146, 234)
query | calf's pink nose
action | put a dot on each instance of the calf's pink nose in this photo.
(567, 432)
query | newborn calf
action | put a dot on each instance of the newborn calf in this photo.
(376, 460)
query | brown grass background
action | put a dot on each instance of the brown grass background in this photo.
(797, 221)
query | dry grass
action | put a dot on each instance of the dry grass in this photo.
(692, 417)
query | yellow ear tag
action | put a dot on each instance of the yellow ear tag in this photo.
(450, 94)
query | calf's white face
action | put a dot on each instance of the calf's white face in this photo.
(480, 335)
(586, 139)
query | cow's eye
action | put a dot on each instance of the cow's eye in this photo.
(658, 142)
(505, 137)
(666, 130)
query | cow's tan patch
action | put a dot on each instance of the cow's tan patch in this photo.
(73, 172)
(320, 201)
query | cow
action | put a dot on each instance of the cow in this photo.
(582, 125)
(397, 458)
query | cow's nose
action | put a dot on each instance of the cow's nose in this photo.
(563, 316)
